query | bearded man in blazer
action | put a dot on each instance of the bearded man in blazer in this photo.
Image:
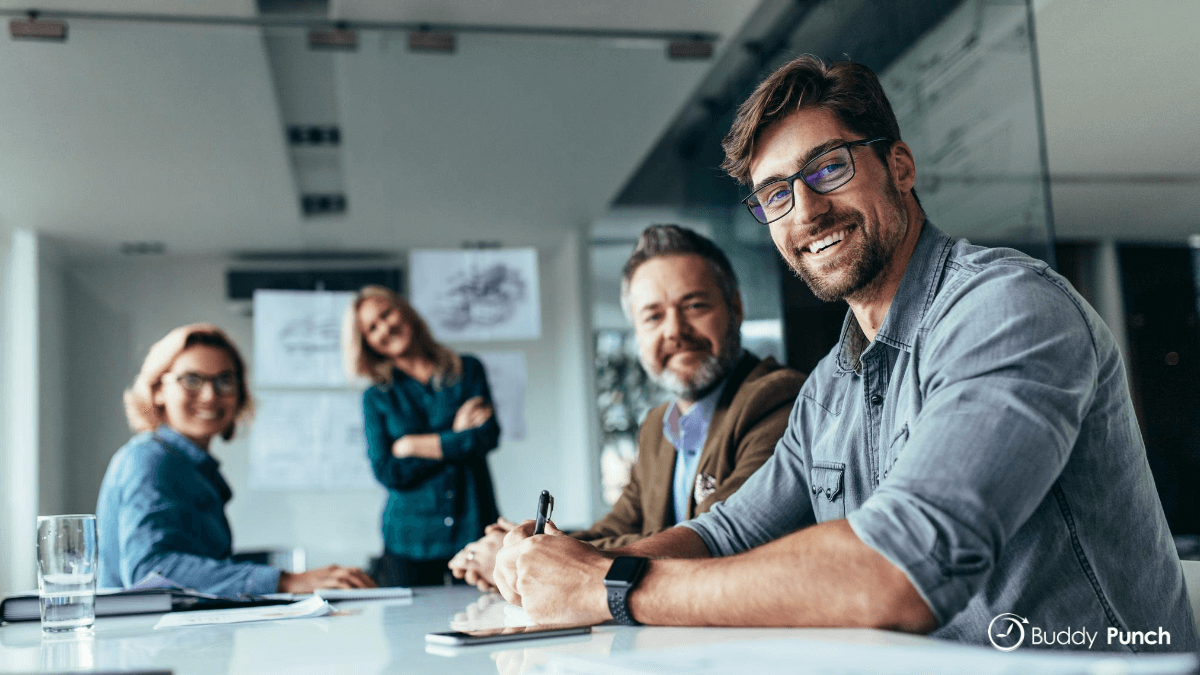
(730, 407)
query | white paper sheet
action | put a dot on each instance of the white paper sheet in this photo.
(802, 657)
(304, 609)
(309, 440)
(507, 377)
(477, 294)
(297, 338)
(339, 594)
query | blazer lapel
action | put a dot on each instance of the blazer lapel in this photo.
(709, 470)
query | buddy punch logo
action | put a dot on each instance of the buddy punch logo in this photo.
(1005, 639)
(1008, 631)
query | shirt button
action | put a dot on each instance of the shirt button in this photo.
(829, 493)
(876, 399)
(449, 521)
(449, 493)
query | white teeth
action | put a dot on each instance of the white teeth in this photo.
(831, 239)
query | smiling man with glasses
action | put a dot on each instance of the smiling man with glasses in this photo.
(967, 449)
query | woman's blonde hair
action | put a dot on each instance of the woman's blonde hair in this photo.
(140, 409)
(360, 359)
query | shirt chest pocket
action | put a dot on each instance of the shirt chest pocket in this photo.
(828, 490)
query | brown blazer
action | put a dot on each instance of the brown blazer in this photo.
(749, 420)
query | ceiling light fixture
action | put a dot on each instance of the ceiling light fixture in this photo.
(340, 39)
(690, 49)
(49, 31)
(425, 40)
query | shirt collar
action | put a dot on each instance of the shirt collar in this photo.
(185, 445)
(701, 412)
(913, 297)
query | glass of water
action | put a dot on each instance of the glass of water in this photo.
(66, 554)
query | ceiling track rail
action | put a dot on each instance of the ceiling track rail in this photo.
(361, 25)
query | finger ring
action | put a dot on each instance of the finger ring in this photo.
(470, 555)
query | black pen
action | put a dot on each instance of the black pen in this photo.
(545, 508)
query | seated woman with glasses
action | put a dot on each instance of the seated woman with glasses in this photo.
(162, 502)
(429, 427)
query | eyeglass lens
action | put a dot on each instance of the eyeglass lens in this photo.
(223, 383)
(823, 174)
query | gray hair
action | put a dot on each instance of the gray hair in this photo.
(660, 240)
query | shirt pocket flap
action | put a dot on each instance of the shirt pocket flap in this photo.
(827, 479)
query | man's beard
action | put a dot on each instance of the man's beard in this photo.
(707, 376)
(873, 255)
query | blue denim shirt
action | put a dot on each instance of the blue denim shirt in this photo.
(162, 509)
(434, 507)
(686, 432)
(985, 443)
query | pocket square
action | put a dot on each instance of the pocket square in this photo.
(706, 485)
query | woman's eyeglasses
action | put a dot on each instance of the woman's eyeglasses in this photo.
(223, 384)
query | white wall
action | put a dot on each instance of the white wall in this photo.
(19, 456)
(116, 308)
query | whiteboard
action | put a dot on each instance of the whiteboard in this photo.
(297, 338)
(507, 377)
(309, 440)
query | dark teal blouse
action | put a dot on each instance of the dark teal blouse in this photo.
(434, 507)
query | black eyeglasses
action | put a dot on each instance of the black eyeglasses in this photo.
(824, 173)
(224, 384)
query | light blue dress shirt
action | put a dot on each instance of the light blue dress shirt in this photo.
(687, 432)
(985, 443)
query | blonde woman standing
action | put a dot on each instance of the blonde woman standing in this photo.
(162, 502)
(429, 427)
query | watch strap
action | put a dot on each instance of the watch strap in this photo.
(618, 591)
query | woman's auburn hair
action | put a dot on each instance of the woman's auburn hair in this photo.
(141, 411)
(360, 360)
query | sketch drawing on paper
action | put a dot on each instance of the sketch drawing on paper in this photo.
(481, 297)
(306, 335)
(477, 294)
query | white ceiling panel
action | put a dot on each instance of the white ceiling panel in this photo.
(142, 132)
(504, 136)
(719, 16)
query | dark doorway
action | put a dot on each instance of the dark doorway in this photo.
(1164, 359)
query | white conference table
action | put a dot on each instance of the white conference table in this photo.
(368, 637)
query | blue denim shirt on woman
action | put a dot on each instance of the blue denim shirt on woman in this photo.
(162, 509)
(985, 443)
(434, 507)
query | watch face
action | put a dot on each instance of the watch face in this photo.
(624, 569)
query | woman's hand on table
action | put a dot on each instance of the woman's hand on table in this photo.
(475, 562)
(330, 576)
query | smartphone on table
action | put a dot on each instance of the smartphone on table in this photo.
(478, 637)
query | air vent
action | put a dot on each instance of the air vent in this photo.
(322, 204)
(241, 284)
(299, 134)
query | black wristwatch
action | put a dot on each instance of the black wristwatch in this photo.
(622, 577)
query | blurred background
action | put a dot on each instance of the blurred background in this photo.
(162, 160)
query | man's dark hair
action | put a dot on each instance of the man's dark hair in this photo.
(660, 240)
(851, 91)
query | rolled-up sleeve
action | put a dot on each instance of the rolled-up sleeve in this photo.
(396, 473)
(1008, 370)
(459, 445)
